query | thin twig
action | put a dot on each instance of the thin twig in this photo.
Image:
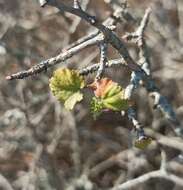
(103, 60)
(94, 67)
(43, 66)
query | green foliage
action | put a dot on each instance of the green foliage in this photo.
(96, 107)
(109, 95)
(66, 85)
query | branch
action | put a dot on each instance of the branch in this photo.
(165, 141)
(160, 101)
(4, 183)
(118, 44)
(95, 67)
(118, 159)
(77, 20)
(43, 66)
(121, 11)
(154, 174)
(110, 36)
(111, 21)
(141, 137)
(82, 40)
(103, 60)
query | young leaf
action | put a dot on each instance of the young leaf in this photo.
(96, 107)
(143, 142)
(109, 95)
(65, 85)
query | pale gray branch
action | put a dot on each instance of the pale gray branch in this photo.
(144, 178)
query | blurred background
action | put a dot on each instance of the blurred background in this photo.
(45, 147)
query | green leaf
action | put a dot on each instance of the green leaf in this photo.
(116, 102)
(72, 100)
(96, 107)
(109, 95)
(66, 85)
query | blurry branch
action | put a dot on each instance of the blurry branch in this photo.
(118, 159)
(4, 184)
(74, 144)
(82, 182)
(175, 167)
(31, 175)
(81, 40)
(162, 103)
(144, 178)
(58, 130)
(110, 162)
(94, 158)
(38, 118)
(165, 141)
(162, 173)
(77, 20)
(163, 166)
(121, 12)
